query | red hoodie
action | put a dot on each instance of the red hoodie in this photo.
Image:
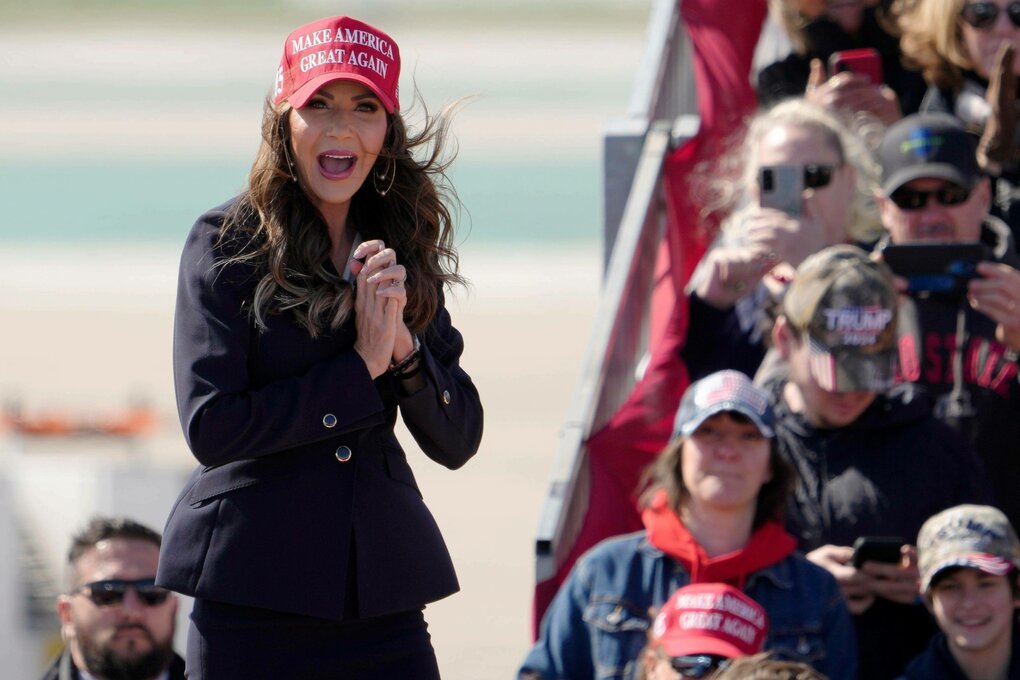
(769, 544)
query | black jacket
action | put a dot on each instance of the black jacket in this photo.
(981, 398)
(304, 501)
(64, 669)
(788, 77)
(882, 475)
(937, 663)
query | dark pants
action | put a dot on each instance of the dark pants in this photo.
(227, 641)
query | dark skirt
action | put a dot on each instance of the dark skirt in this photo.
(228, 641)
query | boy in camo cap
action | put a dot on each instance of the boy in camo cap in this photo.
(968, 558)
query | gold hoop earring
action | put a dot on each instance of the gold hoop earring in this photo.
(378, 177)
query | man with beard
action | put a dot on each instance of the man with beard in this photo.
(116, 623)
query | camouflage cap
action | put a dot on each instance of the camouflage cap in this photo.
(846, 304)
(975, 536)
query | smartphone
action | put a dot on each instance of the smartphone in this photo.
(864, 61)
(936, 267)
(782, 187)
(876, 549)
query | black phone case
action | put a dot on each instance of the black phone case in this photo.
(876, 549)
(936, 267)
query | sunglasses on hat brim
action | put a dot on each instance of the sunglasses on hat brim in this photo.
(983, 15)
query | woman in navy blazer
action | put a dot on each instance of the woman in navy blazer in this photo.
(310, 311)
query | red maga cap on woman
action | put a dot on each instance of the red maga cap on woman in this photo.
(338, 48)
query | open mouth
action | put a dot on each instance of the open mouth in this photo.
(336, 165)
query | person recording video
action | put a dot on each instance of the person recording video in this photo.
(961, 345)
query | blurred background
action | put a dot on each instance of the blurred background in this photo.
(122, 121)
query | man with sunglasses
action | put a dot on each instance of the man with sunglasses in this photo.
(961, 346)
(116, 624)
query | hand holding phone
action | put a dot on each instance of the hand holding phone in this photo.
(887, 549)
(865, 62)
(782, 187)
(936, 267)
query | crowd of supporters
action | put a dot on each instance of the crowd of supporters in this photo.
(841, 479)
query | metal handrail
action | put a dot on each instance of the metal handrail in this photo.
(635, 147)
(617, 342)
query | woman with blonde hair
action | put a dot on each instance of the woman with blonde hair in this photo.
(744, 274)
(309, 314)
(967, 52)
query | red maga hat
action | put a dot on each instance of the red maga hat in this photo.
(338, 48)
(710, 618)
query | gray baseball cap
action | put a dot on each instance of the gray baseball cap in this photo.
(975, 536)
(928, 145)
(719, 392)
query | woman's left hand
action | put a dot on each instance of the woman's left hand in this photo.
(395, 277)
(996, 294)
(379, 305)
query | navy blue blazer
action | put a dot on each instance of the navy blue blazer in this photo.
(298, 456)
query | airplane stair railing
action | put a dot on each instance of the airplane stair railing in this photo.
(659, 116)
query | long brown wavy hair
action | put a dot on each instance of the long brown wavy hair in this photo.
(275, 227)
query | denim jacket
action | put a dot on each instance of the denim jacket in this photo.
(596, 625)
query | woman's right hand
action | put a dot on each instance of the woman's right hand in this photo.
(379, 301)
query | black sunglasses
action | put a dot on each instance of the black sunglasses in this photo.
(112, 591)
(911, 199)
(698, 665)
(983, 15)
(816, 175)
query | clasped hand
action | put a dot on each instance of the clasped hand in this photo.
(379, 301)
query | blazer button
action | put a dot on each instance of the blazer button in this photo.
(446, 397)
(343, 454)
(329, 420)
